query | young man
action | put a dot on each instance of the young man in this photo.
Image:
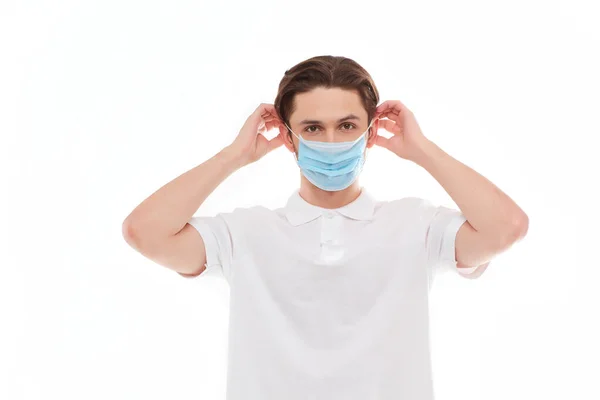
(329, 294)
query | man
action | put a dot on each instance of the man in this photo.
(329, 294)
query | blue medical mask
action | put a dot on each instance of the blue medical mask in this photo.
(331, 166)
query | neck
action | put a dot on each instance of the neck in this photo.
(325, 199)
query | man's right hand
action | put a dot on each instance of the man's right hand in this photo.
(251, 145)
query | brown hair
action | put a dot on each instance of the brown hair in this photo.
(327, 72)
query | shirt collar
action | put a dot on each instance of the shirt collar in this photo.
(298, 211)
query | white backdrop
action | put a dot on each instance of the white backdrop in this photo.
(103, 102)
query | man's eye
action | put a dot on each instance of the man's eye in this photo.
(346, 124)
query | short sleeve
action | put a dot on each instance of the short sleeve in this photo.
(442, 225)
(217, 235)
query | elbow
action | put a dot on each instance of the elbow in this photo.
(139, 237)
(514, 233)
(520, 227)
(130, 233)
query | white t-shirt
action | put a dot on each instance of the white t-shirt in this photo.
(330, 304)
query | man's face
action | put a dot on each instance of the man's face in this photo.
(317, 117)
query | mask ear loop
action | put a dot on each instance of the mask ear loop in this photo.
(290, 129)
(295, 156)
(367, 140)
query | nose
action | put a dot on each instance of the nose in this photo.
(330, 136)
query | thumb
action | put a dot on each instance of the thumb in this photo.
(274, 143)
(382, 141)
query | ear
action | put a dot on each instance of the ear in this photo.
(372, 136)
(287, 138)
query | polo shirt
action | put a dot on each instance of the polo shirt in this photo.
(330, 304)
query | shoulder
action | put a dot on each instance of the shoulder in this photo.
(423, 208)
(405, 206)
(250, 216)
(414, 212)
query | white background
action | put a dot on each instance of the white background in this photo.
(103, 102)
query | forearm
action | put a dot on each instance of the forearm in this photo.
(487, 208)
(166, 211)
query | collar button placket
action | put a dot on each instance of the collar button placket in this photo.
(330, 228)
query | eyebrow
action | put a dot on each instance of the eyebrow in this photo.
(314, 121)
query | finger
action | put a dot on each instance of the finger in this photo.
(268, 112)
(384, 114)
(274, 143)
(261, 126)
(392, 115)
(264, 127)
(272, 121)
(391, 106)
(382, 141)
(386, 106)
(269, 117)
(265, 117)
(264, 112)
(390, 126)
(388, 114)
(265, 108)
(274, 124)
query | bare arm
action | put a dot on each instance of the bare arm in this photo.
(158, 228)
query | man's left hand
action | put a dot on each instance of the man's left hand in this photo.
(408, 140)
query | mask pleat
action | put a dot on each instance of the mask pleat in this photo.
(331, 166)
(333, 170)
